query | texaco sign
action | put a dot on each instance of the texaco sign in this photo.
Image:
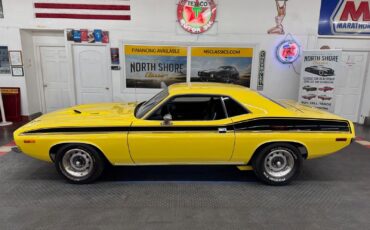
(196, 16)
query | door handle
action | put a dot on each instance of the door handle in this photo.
(45, 85)
(107, 88)
(222, 130)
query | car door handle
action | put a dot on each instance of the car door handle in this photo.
(222, 130)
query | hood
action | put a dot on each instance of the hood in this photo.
(89, 115)
(305, 111)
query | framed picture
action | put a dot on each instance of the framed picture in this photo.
(4, 60)
(1, 9)
(15, 57)
(114, 54)
(17, 71)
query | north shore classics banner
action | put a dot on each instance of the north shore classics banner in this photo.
(217, 64)
(318, 74)
(154, 66)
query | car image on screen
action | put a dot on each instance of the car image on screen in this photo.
(227, 74)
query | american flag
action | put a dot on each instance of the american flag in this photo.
(83, 9)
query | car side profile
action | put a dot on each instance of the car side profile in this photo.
(186, 124)
(326, 88)
(227, 74)
(324, 97)
(309, 88)
(309, 96)
(320, 70)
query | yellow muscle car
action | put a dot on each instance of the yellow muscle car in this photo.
(198, 123)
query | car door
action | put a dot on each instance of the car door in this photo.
(199, 132)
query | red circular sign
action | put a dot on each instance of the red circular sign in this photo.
(288, 51)
(196, 16)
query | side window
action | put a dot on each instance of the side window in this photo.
(233, 108)
(191, 108)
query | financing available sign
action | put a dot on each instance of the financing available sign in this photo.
(154, 66)
(344, 17)
(318, 74)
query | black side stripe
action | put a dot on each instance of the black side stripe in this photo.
(131, 129)
(262, 124)
(80, 129)
(293, 125)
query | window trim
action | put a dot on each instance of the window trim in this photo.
(149, 113)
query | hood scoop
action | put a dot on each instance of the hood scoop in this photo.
(77, 111)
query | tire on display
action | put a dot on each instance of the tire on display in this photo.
(277, 164)
(79, 163)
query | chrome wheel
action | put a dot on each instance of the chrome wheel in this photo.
(279, 163)
(77, 163)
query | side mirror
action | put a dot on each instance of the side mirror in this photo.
(167, 119)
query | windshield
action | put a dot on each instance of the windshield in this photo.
(148, 105)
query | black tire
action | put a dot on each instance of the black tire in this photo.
(86, 153)
(267, 161)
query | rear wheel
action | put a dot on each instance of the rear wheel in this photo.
(79, 164)
(277, 164)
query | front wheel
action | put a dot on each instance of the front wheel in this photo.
(79, 164)
(277, 164)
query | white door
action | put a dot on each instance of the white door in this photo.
(349, 85)
(55, 80)
(92, 74)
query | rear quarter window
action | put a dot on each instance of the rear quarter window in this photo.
(234, 108)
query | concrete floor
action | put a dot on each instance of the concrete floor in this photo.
(331, 193)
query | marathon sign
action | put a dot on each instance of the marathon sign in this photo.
(344, 17)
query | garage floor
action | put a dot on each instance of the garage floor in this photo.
(331, 193)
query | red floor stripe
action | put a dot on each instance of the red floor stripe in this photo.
(359, 138)
(12, 143)
(2, 153)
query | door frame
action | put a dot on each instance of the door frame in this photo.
(366, 73)
(72, 66)
(39, 77)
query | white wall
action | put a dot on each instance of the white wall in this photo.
(238, 22)
(11, 37)
(360, 45)
(34, 103)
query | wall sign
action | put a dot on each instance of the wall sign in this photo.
(154, 66)
(218, 64)
(288, 51)
(4, 60)
(196, 16)
(261, 70)
(344, 17)
(114, 56)
(1, 10)
(319, 71)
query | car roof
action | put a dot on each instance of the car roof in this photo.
(251, 99)
(210, 88)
